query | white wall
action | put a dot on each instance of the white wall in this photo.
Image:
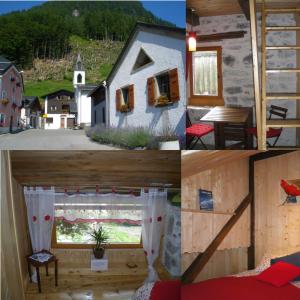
(56, 121)
(84, 107)
(167, 53)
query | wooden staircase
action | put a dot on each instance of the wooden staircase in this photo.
(266, 72)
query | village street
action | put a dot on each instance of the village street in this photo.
(60, 139)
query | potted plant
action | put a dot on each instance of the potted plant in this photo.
(100, 237)
(4, 101)
(168, 140)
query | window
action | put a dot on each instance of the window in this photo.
(4, 94)
(95, 116)
(125, 94)
(163, 88)
(2, 119)
(163, 85)
(49, 120)
(142, 60)
(206, 77)
(79, 78)
(65, 108)
(103, 115)
(77, 215)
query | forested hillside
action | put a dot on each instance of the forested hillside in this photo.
(44, 31)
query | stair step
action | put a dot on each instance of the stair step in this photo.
(281, 10)
(282, 28)
(291, 123)
(283, 48)
(269, 71)
(283, 96)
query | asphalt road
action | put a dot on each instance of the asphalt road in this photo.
(39, 139)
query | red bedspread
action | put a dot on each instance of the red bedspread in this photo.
(238, 288)
(166, 290)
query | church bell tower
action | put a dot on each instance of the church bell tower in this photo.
(79, 73)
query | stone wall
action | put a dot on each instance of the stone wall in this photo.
(238, 87)
(171, 251)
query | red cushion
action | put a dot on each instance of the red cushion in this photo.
(199, 130)
(279, 274)
(164, 290)
(272, 132)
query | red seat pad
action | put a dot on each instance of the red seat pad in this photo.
(199, 130)
(238, 288)
(166, 290)
(272, 132)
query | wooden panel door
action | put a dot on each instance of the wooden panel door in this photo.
(62, 122)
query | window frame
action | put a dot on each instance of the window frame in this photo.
(56, 245)
(205, 100)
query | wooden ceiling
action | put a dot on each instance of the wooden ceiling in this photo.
(103, 168)
(207, 8)
(199, 161)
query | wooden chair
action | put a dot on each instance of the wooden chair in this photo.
(194, 132)
(272, 132)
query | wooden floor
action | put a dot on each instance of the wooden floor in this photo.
(119, 282)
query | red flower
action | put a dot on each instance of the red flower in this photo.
(159, 219)
(47, 218)
(146, 253)
(34, 218)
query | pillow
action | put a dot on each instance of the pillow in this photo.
(279, 274)
(163, 290)
(293, 259)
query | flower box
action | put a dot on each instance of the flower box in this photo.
(4, 101)
(162, 101)
(124, 108)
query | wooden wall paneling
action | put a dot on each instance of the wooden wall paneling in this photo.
(10, 257)
(223, 263)
(277, 227)
(229, 184)
(297, 17)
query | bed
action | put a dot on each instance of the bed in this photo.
(243, 286)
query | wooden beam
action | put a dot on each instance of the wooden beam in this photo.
(251, 249)
(244, 4)
(201, 260)
(258, 116)
(192, 18)
(221, 36)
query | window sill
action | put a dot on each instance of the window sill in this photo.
(91, 246)
(162, 104)
(205, 101)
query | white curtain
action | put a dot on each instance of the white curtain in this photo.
(205, 73)
(154, 213)
(40, 212)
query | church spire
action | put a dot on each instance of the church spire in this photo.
(79, 65)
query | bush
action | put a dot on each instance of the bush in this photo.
(124, 137)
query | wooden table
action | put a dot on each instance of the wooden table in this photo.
(225, 117)
(37, 265)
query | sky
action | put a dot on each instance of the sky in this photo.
(173, 11)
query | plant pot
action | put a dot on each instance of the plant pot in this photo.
(98, 253)
(169, 145)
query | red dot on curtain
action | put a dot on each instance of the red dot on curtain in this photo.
(47, 218)
(34, 218)
(150, 220)
(146, 253)
(159, 219)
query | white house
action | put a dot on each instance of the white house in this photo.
(146, 86)
(31, 112)
(60, 110)
(82, 91)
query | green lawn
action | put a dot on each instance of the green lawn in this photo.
(41, 88)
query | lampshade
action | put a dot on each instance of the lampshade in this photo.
(192, 41)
